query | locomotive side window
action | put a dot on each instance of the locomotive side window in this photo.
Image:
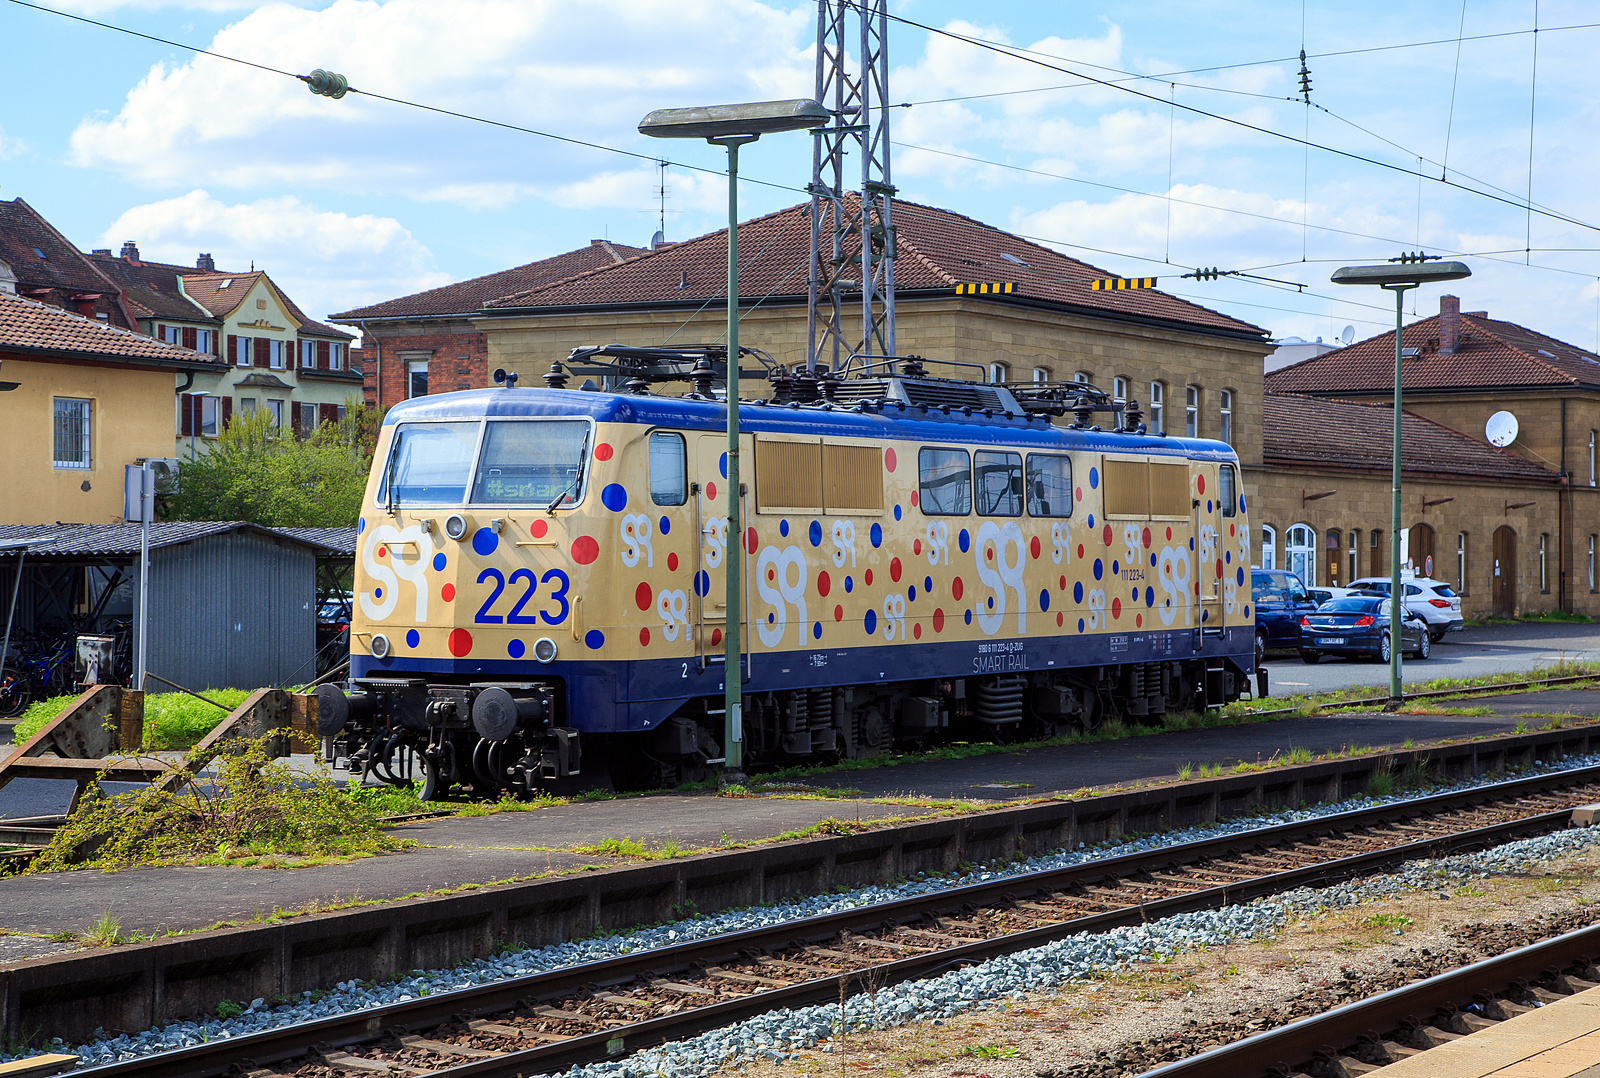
(1049, 485)
(532, 463)
(946, 480)
(1228, 490)
(429, 464)
(669, 468)
(999, 483)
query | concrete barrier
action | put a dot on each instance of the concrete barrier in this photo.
(135, 986)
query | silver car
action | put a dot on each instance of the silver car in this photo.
(1435, 601)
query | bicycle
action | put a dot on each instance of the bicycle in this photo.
(35, 674)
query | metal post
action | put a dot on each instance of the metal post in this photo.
(1396, 596)
(147, 498)
(732, 664)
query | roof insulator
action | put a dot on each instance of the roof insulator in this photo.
(326, 84)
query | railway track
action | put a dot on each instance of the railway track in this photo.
(1362, 1038)
(1477, 690)
(547, 1022)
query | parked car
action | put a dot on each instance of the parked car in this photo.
(1281, 601)
(1437, 602)
(1359, 626)
(1322, 595)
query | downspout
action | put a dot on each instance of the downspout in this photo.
(1561, 512)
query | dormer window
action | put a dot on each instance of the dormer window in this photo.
(224, 284)
(38, 252)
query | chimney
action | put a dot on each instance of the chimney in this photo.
(130, 251)
(205, 262)
(106, 251)
(1449, 324)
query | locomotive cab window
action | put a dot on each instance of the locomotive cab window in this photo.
(532, 463)
(945, 476)
(998, 479)
(1049, 485)
(429, 464)
(669, 468)
(1228, 490)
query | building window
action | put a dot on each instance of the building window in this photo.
(1158, 407)
(1355, 550)
(1461, 562)
(419, 378)
(1300, 553)
(1269, 547)
(308, 354)
(1191, 411)
(247, 405)
(999, 372)
(72, 433)
(1591, 459)
(1119, 389)
(172, 334)
(241, 351)
(1081, 377)
(202, 341)
(275, 356)
(1041, 374)
(275, 410)
(208, 416)
(1591, 562)
(1544, 563)
(1225, 417)
(336, 357)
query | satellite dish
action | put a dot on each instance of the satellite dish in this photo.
(1348, 334)
(1501, 430)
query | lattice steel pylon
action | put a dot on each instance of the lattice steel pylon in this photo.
(841, 219)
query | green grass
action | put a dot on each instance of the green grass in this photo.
(172, 720)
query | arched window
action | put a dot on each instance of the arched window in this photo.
(999, 372)
(1269, 547)
(1300, 553)
(1119, 389)
(1041, 374)
(1191, 411)
(1355, 552)
(1081, 377)
(1544, 563)
(1225, 420)
(1158, 407)
(1461, 563)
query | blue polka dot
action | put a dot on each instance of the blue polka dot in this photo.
(877, 535)
(870, 622)
(1208, 505)
(1191, 538)
(413, 638)
(1091, 520)
(1077, 591)
(897, 512)
(969, 617)
(1152, 559)
(1115, 568)
(1227, 555)
(771, 618)
(1149, 597)
(438, 561)
(927, 584)
(1099, 569)
(1094, 478)
(723, 464)
(377, 593)
(1241, 503)
(991, 602)
(1247, 609)
(911, 594)
(1205, 615)
(849, 584)
(1044, 599)
(1238, 576)
(965, 540)
(361, 525)
(816, 533)
(1135, 593)
(614, 497)
(484, 542)
(664, 525)
(783, 528)
(702, 583)
(1080, 625)
(816, 631)
(515, 649)
(595, 639)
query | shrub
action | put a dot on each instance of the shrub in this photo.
(172, 720)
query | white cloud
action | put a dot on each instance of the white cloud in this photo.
(11, 147)
(326, 261)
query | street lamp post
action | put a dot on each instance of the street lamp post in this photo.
(1398, 278)
(733, 126)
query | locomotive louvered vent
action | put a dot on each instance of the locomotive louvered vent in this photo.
(955, 394)
(856, 390)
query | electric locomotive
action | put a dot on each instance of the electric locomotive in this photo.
(540, 588)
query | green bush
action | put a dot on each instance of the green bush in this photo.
(39, 712)
(172, 720)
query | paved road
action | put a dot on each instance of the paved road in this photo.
(1467, 654)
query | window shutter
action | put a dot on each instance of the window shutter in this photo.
(186, 415)
(227, 414)
(233, 348)
(263, 352)
(322, 355)
(328, 413)
(190, 337)
(161, 332)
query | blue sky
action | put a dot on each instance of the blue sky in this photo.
(354, 201)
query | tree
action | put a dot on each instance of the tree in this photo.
(266, 475)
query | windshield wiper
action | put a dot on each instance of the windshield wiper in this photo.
(583, 457)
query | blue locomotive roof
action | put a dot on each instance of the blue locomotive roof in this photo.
(889, 420)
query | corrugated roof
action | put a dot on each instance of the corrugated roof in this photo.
(32, 326)
(154, 287)
(1490, 354)
(466, 296)
(206, 289)
(120, 540)
(1341, 434)
(22, 230)
(936, 251)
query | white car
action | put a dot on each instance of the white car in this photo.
(1437, 602)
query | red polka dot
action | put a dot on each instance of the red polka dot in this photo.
(1231, 526)
(916, 546)
(1197, 587)
(711, 491)
(448, 593)
(585, 550)
(672, 563)
(538, 529)
(1080, 551)
(1201, 480)
(956, 588)
(894, 569)
(1219, 560)
(916, 631)
(838, 613)
(1138, 621)
(644, 637)
(602, 451)
(913, 499)
(642, 595)
(988, 552)
(867, 576)
(1147, 538)
(938, 621)
(1062, 584)
(750, 540)
(771, 575)
(1105, 533)
(716, 637)
(460, 642)
(1059, 620)
(889, 459)
(1034, 546)
(824, 583)
(1169, 535)
(1079, 493)
(1116, 608)
(383, 551)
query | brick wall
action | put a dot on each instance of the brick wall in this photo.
(455, 353)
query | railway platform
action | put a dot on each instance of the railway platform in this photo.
(1558, 1040)
(456, 851)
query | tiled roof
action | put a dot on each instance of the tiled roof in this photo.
(206, 289)
(152, 286)
(67, 540)
(1490, 354)
(63, 266)
(26, 325)
(465, 296)
(937, 250)
(1340, 434)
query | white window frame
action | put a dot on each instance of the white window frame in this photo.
(308, 355)
(1544, 563)
(275, 355)
(1041, 374)
(1461, 562)
(999, 372)
(1158, 407)
(1119, 389)
(247, 406)
(1307, 552)
(202, 341)
(336, 356)
(1191, 413)
(1354, 539)
(1225, 418)
(243, 352)
(1269, 547)
(275, 409)
(1081, 377)
(1592, 475)
(414, 368)
(172, 335)
(1592, 580)
(72, 429)
(210, 413)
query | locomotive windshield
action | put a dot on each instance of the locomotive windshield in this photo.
(429, 464)
(531, 464)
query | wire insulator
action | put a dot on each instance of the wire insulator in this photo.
(327, 84)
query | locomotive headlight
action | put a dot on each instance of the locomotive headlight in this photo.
(380, 646)
(544, 649)
(455, 525)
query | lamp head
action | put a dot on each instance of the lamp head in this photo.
(1413, 273)
(754, 119)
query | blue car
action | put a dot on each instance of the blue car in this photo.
(1359, 626)
(1281, 601)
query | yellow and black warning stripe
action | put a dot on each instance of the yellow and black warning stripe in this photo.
(1117, 284)
(991, 288)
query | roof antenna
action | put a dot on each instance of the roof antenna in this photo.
(662, 190)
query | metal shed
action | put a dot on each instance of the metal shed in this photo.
(231, 604)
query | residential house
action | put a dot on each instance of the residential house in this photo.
(40, 263)
(154, 292)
